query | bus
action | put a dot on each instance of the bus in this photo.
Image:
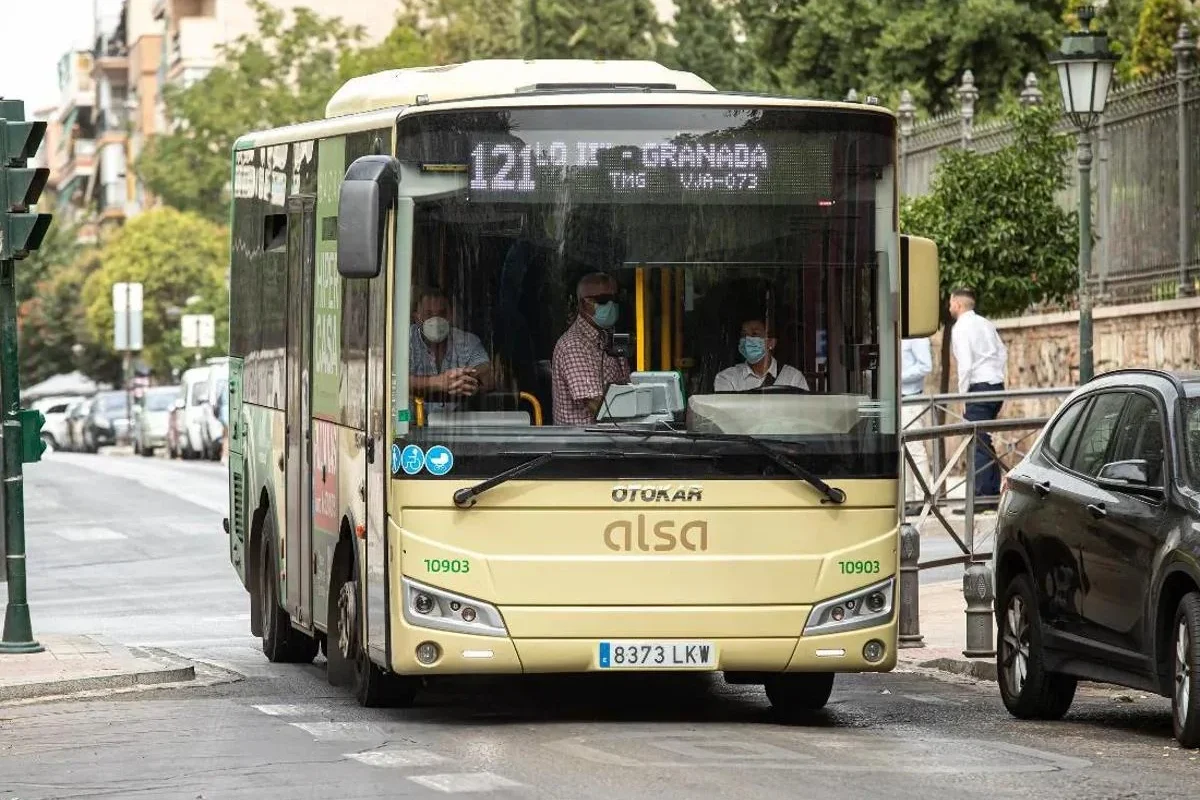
(571, 367)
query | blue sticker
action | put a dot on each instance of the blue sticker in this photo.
(412, 459)
(395, 459)
(439, 460)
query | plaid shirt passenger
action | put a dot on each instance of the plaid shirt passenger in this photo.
(578, 360)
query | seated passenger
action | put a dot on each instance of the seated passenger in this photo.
(443, 361)
(760, 367)
(582, 368)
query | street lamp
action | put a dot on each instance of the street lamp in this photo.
(1085, 68)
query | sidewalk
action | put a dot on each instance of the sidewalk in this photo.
(944, 628)
(72, 664)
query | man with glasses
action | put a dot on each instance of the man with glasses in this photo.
(582, 366)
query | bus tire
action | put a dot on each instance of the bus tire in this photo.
(795, 694)
(281, 643)
(347, 658)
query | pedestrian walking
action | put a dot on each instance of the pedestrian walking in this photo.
(982, 367)
(916, 362)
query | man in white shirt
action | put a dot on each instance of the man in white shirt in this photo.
(916, 362)
(982, 366)
(760, 368)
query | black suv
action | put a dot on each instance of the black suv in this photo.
(1097, 556)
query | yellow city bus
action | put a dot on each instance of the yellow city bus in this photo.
(498, 333)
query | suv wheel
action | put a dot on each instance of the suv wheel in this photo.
(1185, 665)
(1029, 691)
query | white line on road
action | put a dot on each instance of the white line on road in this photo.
(464, 782)
(341, 731)
(89, 534)
(300, 710)
(406, 757)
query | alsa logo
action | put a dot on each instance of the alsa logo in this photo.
(629, 535)
(656, 493)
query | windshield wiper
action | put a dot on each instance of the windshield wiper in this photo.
(465, 498)
(767, 446)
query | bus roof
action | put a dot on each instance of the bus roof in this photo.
(492, 77)
(376, 101)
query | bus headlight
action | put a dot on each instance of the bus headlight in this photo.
(427, 607)
(862, 608)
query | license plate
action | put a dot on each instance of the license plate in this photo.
(657, 655)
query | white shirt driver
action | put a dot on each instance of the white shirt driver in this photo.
(740, 377)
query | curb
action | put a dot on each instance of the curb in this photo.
(176, 672)
(971, 668)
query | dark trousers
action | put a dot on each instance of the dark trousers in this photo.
(987, 471)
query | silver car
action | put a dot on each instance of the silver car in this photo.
(150, 419)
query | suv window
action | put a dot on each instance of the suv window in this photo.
(1096, 433)
(1063, 426)
(1140, 435)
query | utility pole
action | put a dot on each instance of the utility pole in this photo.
(129, 360)
(21, 230)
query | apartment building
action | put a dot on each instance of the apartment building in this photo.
(69, 150)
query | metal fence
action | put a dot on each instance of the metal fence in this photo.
(942, 429)
(1146, 176)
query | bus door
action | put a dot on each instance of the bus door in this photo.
(378, 472)
(301, 212)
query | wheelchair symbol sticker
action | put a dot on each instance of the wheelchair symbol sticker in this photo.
(412, 460)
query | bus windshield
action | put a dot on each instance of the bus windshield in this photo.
(719, 271)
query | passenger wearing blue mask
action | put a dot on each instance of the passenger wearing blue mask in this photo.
(582, 367)
(759, 367)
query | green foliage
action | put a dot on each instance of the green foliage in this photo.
(997, 223)
(1118, 19)
(704, 33)
(611, 29)
(466, 30)
(176, 256)
(823, 48)
(1157, 30)
(283, 73)
(58, 249)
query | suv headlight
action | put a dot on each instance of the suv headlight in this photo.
(862, 608)
(427, 607)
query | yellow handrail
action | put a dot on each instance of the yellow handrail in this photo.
(537, 406)
(664, 323)
(419, 403)
(640, 313)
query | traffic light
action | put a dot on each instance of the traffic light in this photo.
(20, 186)
(32, 444)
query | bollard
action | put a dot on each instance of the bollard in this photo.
(910, 585)
(977, 589)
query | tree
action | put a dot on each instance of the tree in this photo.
(404, 46)
(705, 43)
(465, 30)
(823, 48)
(281, 74)
(1157, 31)
(58, 249)
(175, 256)
(997, 223)
(609, 29)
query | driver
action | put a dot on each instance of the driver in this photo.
(445, 363)
(760, 369)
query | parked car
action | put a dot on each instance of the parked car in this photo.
(1097, 555)
(190, 419)
(212, 428)
(151, 417)
(107, 421)
(55, 431)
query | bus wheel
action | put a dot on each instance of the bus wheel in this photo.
(348, 662)
(281, 643)
(795, 694)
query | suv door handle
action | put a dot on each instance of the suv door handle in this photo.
(1042, 488)
(1097, 510)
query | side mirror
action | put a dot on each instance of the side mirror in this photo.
(1132, 477)
(368, 192)
(920, 294)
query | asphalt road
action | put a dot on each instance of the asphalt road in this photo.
(133, 548)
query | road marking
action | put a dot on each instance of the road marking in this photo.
(405, 757)
(464, 782)
(89, 534)
(341, 731)
(292, 710)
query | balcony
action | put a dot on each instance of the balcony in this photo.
(111, 200)
(112, 52)
(192, 45)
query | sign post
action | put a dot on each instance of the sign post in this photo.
(198, 331)
(127, 337)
